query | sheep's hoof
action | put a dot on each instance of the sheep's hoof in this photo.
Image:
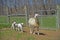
(38, 34)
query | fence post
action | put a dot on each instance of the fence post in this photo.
(8, 14)
(25, 8)
(59, 18)
(58, 13)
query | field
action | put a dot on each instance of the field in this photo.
(6, 33)
(48, 21)
(45, 21)
(5, 22)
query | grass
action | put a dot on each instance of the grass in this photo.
(45, 21)
(30, 38)
(7, 25)
(4, 22)
(18, 19)
(48, 22)
(3, 19)
(14, 35)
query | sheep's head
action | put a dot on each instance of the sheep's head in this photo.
(14, 22)
(22, 23)
(36, 15)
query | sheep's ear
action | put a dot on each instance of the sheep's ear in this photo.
(36, 14)
(14, 22)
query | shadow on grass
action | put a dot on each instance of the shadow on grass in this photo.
(24, 31)
(40, 34)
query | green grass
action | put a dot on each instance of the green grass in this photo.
(30, 38)
(5, 23)
(48, 22)
(11, 34)
(3, 19)
(45, 21)
(18, 19)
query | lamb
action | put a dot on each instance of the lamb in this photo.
(17, 26)
(34, 24)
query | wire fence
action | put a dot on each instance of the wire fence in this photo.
(21, 11)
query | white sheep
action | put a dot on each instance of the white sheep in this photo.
(20, 26)
(17, 26)
(34, 24)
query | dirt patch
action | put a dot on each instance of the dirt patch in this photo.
(44, 35)
(47, 34)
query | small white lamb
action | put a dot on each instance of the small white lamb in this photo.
(20, 26)
(17, 26)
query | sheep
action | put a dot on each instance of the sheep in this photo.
(34, 24)
(17, 26)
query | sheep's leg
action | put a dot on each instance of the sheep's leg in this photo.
(12, 27)
(38, 30)
(17, 29)
(31, 29)
(21, 29)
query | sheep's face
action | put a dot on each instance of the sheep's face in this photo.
(22, 23)
(14, 22)
(36, 15)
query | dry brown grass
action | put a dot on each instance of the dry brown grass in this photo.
(14, 35)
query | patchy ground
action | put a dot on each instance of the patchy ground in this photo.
(8, 34)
